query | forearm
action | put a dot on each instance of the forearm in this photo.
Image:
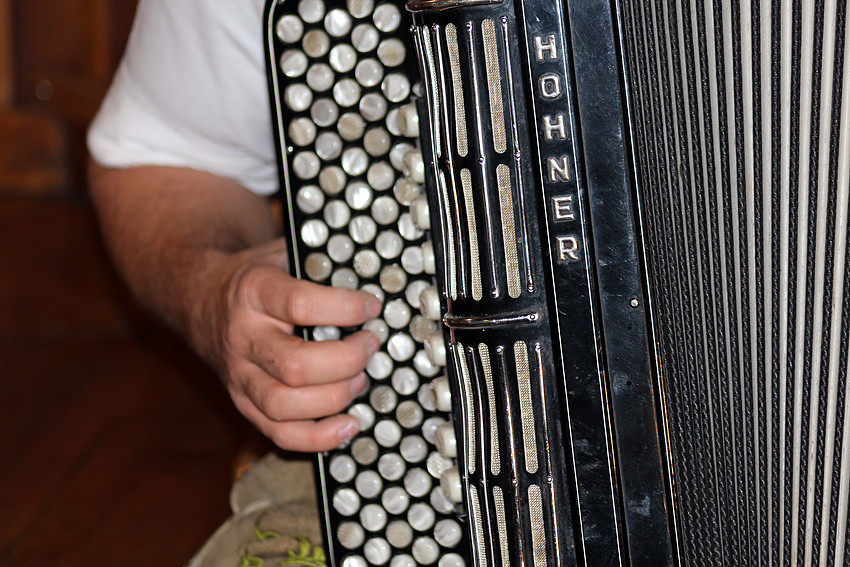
(173, 234)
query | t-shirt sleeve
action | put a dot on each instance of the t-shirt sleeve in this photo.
(191, 92)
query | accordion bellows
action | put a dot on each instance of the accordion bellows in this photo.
(638, 218)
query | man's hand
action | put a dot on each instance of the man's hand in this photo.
(279, 381)
(200, 251)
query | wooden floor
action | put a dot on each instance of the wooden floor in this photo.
(116, 445)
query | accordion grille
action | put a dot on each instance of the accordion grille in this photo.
(741, 116)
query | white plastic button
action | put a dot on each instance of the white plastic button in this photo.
(429, 259)
(448, 533)
(364, 38)
(342, 58)
(441, 394)
(435, 346)
(417, 482)
(363, 229)
(413, 449)
(446, 441)
(347, 92)
(311, 11)
(421, 517)
(387, 433)
(395, 500)
(332, 178)
(346, 502)
(392, 52)
(377, 551)
(289, 28)
(450, 483)
(293, 63)
(302, 131)
(337, 22)
(328, 147)
(297, 97)
(387, 17)
(413, 166)
(316, 43)
(420, 213)
(310, 199)
(373, 517)
(350, 535)
(320, 77)
(369, 484)
(429, 303)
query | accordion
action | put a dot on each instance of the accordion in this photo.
(611, 238)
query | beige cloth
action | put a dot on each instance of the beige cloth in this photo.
(275, 520)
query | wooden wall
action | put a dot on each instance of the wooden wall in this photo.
(56, 60)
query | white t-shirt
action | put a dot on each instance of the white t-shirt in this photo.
(191, 91)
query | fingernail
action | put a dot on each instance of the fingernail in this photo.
(347, 431)
(357, 385)
(373, 344)
(373, 308)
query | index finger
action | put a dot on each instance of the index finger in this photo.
(308, 304)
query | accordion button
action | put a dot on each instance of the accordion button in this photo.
(425, 366)
(441, 394)
(369, 72)
(406, 381)
(306, 165)
(418, 483)
(400, 534)
(408, 229)
(293, 63)
(329, 147)
(318, 267)
(391, 466)
(391, 52)
(419, 212)
(387, 17)
(429, 303)
(351, 126)
(373, 107)
(345, 278)
(365, 415)
(383, 399)
(337, 214)
(421, 517)
(389, 246)
(310, 199)
(302, 131)
(340, 248)
(342, 468)
(397, 314)
(359, 8)
(377, 141)
(414, 166)
(411, 260)
(408, 120)
(421, 327)
(387, 433)
(316, 43)
(347, 92)
(311, 10)
(298, 97)
(409, 414)
(355, 161)
(369, 484)
(385, 210)
(379, 328)
(425, 550)
(324, 112)
(439, 501)
(367, 263)
(396, 87)
(326, 333)
(289, 28)
(429, 430)
(436, 349)
(450, 483)
(448, 533)
(314, 233)
(320, 77)
(354, 561)
(401, 347)
(373, 517)
(338, 22)
(374, 290)
(429, 259)
(346, 502)
(332, 178)
(438, 464)
(404, 190)
(380, 176)
(358, 195)
(380, 366)
(395, 500)
(392, 278)
(446, 441)
(365, 38)
(350, 535)
(342, 58)
(364, 450)
(377, 551)
(413, 449)
(452, 560)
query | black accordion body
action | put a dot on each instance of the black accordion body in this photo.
(611, 238)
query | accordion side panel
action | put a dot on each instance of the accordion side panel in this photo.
(740, 141)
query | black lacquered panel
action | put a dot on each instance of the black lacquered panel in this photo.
(742, 139)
